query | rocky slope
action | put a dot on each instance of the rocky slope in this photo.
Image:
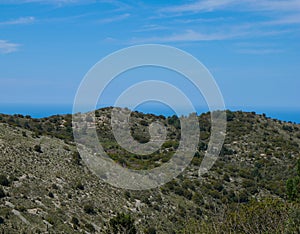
(47, 188)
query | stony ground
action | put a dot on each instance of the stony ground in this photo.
(47, 188)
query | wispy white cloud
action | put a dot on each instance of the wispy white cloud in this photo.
(200, 20)
(259, 51)
(240, 5)
(228, 32)
(22, 20)
(286, 20)
(189, 36)
(61, 3)
(8, 47)
(41, 1)
(205, 5)
(274, 5)
(151, 27)
(258, 48)
(66, 19)
(268, 18)
(114, 18)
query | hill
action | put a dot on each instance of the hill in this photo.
(46, 187)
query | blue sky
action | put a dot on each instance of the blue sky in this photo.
(251, 47)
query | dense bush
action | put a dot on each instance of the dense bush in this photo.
(75, 221)
(89, 208)
(4, 181)
(79, 186)
(38, 148)
(150, 230)
(293, 185)
(90, 227)
(122, 223)
(266, 216)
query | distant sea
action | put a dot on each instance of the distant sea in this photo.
(39, 111)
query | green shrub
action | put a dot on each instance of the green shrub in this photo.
(266, 216)
(187, 194)
(215, 194)
(243, 196)
(122, 223)
(2, 193)
(198, 199)
(80, 186)
(174, 120)
(217, 185)
(248, 183)
(75, 221)
(50, 220)
(226, 177)
(50, 194)
(170, 143)
(199, 211)
(178, 190)
(293, 185)
(127, 194)
(90, 227)
(76, 159)
(22, 208)
(287, 128)
(4, 181)
(89, 208)
(150, 230)
(38, 148)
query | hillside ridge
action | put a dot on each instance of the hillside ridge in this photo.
(46, 187)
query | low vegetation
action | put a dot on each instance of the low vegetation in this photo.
(45, 186)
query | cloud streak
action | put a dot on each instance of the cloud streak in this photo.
(61, 3)
(260, 51)
(228, 32)
(244, 5)
(189, 36)
(22, 20)
(41, 1)
(206, 5)
(114, 19)
(286, 20)
(8, 47)
(254, 19)
(275, 5)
